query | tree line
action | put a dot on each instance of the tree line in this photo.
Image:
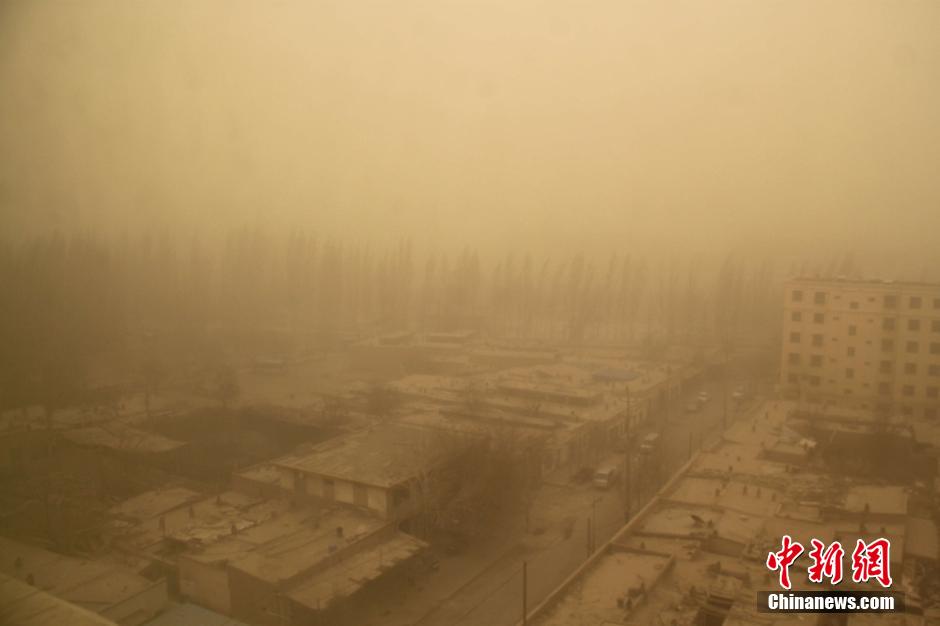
(71, 300)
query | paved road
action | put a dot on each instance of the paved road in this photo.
(494, 598)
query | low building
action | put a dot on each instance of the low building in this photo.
(294, 566)
(115, 592)
(258, 559)
(23, 604)
(131, 443)
(378, 468)
(262, 480)
(187, 614)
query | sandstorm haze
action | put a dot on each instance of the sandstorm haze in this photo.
(684, 127)
(468, 312)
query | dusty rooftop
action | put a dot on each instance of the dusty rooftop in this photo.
(385, 455)
(729, 493)
(89, 584)
(25, 605)
(290, 543)
(353, 572)
(117, 436)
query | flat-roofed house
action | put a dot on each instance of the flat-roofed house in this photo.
(378, 469)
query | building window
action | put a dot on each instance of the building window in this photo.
(935, 326)
(796, 316)
(910, 368)
(817, 340)
(887, 345)
(934, 370)
(850, 373)
(814, 381)
(793, 379)
(850, 351)
(819, 318)
(853, 305)
(930, 413)
(852, 330)
(820, 297)
(913, 324)
(885, 367)
(816, 360)
(887, 323)
(793, 358)
(797, 295)
(890, 302)
(934, 348)
(908, 390)
(794, 337)
(884, 389)
(906, 410)
(912, 347)
(936, 303)
(915, 302)
(931, 392)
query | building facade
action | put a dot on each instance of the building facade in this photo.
(867, 345)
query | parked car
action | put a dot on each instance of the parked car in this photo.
(607, 476)
(703, 397)
(650, 443)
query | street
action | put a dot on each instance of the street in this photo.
(494, 596)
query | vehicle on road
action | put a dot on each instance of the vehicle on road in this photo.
(650, 443)
(606, 476)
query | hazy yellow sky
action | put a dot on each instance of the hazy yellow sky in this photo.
(700, 124)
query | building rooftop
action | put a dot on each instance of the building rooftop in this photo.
(600, 597)
(352, 573)
(118, 436)
(385, 455)
(290, 544)
(148, 521)
(192, 615)
(25, 605)
(151, 504)
(877, 500)
(868, 283)
(92, 585)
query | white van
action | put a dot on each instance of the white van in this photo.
(605, 477)
(650, 443)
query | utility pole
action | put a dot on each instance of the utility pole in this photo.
(594, 522)
(724, 395)
(724, 383)
(627, 469)
(525, 590)
(588, 538)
